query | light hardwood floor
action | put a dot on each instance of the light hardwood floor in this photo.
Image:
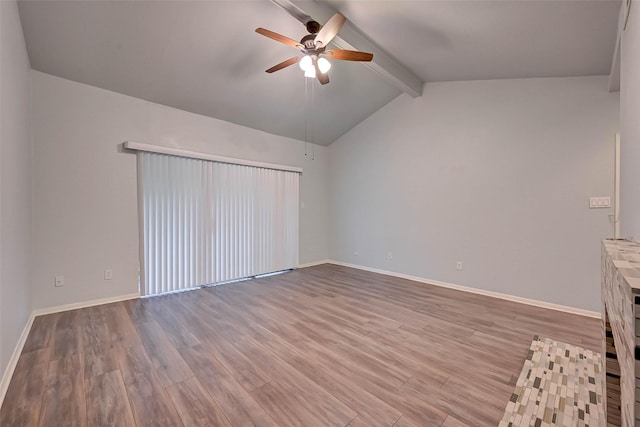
(321, 346)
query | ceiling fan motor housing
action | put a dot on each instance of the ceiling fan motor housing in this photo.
(308, 42)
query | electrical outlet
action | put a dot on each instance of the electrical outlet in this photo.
(355, 253)
(108, 274)
(459, 265)
(389, 255)
(59, 281)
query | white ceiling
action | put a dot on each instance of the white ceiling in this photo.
(476, 40)
(205, 57)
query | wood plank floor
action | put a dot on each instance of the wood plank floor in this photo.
(320, 346)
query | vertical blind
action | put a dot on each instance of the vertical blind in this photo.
(205, 222)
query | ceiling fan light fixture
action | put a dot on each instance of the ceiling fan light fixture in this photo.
(312, 46)
(306, 63)
(324, 65)
(310, 72)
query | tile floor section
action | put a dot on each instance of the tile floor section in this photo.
(560, 385)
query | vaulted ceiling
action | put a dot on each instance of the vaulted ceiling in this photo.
(204, 56)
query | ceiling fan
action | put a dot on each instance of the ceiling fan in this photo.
(313, 46)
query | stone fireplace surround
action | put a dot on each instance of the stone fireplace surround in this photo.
(621, 331)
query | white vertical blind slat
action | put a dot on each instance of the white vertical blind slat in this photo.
(206, 222)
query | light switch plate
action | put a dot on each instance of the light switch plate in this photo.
(599, 202)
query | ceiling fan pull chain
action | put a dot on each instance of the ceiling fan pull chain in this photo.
(312, 108)
(306, 114)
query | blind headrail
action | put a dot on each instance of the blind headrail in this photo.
(140, 146)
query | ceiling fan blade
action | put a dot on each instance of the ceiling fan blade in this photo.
(322, 78)
(278, 37)
(283, 64)
(329, 30)
(349, 55)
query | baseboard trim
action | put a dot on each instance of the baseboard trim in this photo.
(83, 304)
(17, 351)
(507, 297)
(13, 361)
(314, 263)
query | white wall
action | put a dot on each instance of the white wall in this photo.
(630, 127)
(85, 189)
(15, 182)
(496, 174)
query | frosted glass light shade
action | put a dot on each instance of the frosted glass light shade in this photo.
(324, 65)
(306, 63)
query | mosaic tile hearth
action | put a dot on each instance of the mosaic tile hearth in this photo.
(560, 385)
